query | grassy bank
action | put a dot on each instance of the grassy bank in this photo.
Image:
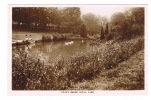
(127, 75)
(30, 71)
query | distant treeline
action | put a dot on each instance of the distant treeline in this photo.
(125, 25)
(63, 20)
(70, 20)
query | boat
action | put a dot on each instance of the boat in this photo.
(26, 41)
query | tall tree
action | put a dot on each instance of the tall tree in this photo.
(138, 15)
(102, 33)
(106, 29)
(70, 17)
(92, 22)
(117, 18)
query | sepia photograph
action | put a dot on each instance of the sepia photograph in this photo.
(78, 47)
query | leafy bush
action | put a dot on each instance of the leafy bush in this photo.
(109, 36)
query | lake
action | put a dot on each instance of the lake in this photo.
(22, 35)
(66, 49)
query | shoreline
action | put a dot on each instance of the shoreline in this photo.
(23, 42)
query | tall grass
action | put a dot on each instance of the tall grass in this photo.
(30, 71)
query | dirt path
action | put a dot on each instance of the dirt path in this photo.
(128, 75)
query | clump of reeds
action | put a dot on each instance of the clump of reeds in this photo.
(55, 37)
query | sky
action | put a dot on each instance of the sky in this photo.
(105, 11)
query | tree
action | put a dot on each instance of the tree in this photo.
(29, 15)
(128, 24)
(18, 15)
(70, 17)
(103, 21)
(92, 22)
(40, 18)
(102, 33)
(106, 30)
(138, 15)
(83, 31)
(134, 21)
(118, 22)
(117, 18)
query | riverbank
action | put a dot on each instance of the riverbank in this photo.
(127, 75)
(21, 37)
(30, 72)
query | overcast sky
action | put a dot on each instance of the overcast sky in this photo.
(105, 11)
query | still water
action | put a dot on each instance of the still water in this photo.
(66, 49)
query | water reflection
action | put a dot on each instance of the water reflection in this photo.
(54, 49)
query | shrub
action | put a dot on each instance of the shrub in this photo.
(109, 36)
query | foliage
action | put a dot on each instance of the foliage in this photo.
(55, 37)
(31, 71)
(102, 33)
(109, 36)
(47, 19)
(106, 29)
(128, 24)
(93, 23)
(83, 31)
(117, 18)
